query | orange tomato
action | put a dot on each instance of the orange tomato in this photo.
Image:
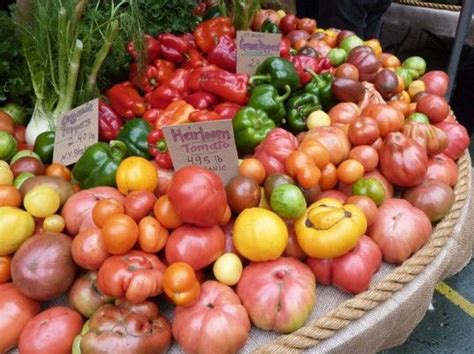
(389, 61)
(376, 47)
(328, 178)
(165, 213)
(9, 196)
(5, 262)
(227, 215)
(180, 284)
(58, 170)
(402, 106)
(300, 44)
(106, 208)
(317, 152)
(301, 166)
(120, 232)
(152, 236)
(350, 171)
(254, 169)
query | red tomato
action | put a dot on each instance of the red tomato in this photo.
(436, 82)
(120, 232)
(436, 108)
(16, 310)
(6, 123)
(443, 168)
(458, 139)
(88, 249)
(139, 204)
(198, 196)
(254, 169)
(51, 331)
(288, 23)
(366, 155)
(388, 118)
(344, 113)
(363, 131)
(197, 246)
(367, 205)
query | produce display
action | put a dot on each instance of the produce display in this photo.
(347, 158)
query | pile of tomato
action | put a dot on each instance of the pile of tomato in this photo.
(321, 197)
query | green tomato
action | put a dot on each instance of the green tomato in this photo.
(350, 43)
(337, 56)
(405, 74)
(24, 153)
(42, 201)
(8, 146)
(416, 65)
(228, 269)
(21, 178)
(418, 117)
(44, 146)
(288, 201)
(17, 112)
(369, 187)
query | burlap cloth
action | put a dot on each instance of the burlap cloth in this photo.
(390, 321)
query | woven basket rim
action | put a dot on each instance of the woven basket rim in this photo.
(431, 5)
(353, 309)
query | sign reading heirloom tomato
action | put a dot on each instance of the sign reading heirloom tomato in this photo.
(207, 144)
(76, 130)
(255, 47)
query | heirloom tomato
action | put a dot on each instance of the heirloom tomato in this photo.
(458, 139)
(136, 174)
(180, 284)
(166, 214)
(152, 236)
(16, 225)
(88, 249)
(106, 208)
(120, 232)
(443, 168)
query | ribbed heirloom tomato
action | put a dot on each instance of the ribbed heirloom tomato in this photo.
(180, 284)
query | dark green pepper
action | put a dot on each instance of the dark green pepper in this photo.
(99, 163)
(135, 134)
(298, 108)
(277, 71)
(321, 86)
(269, 27)
(265, 97)
(251, 126)
(44, 146)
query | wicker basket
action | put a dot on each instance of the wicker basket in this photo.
(445, 5)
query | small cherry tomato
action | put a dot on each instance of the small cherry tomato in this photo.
(58, 170)
(152, 236)
(104, 209)
(54, 223)
(254, 169)
(120, 233)
(165, 213)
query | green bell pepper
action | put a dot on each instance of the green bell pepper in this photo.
(321, 86)
(277, 71)
(251, 126)
(269, 27)
(44, 146)
(298, 108)
(265, 97)
(8, 146)
(99, 163)
(135, 134)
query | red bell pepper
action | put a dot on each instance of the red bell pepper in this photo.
(147, 81)
(201, 100)
(204, 116)
(151, 115)
(110, 122)
(285, 47)
(227, 110)
(194, 59)
(159, 150)
(152, 49)
(224, 54)
(206, 32)
(195, 76)
(126, 101)
(163, 96)
(179, 81)
(302, 62)
(177, 112)
(189, 38)
(165, 69)
(173, 48)
(231, 87)
(324, 64)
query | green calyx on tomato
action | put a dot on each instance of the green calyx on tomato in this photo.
(8, 146)
(369, 187)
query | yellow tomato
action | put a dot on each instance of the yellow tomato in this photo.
(228, 269)
(416, 87)
(42, 201)
(376, 47)
(6, 175)
(16, 225)
(54, 223)
(318, 119)
(136, 174)
(329, 229)
(260, 234)
(281, 13)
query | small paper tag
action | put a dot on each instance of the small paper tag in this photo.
(255, 47)
(207, 144)
(77, 129)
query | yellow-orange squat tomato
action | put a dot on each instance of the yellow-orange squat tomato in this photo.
(260, 234)
(16, 225)
(136, 174)
(329, 229)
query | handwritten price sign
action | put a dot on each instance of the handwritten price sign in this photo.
(208, 144)
(77, 129)
(255, 47)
